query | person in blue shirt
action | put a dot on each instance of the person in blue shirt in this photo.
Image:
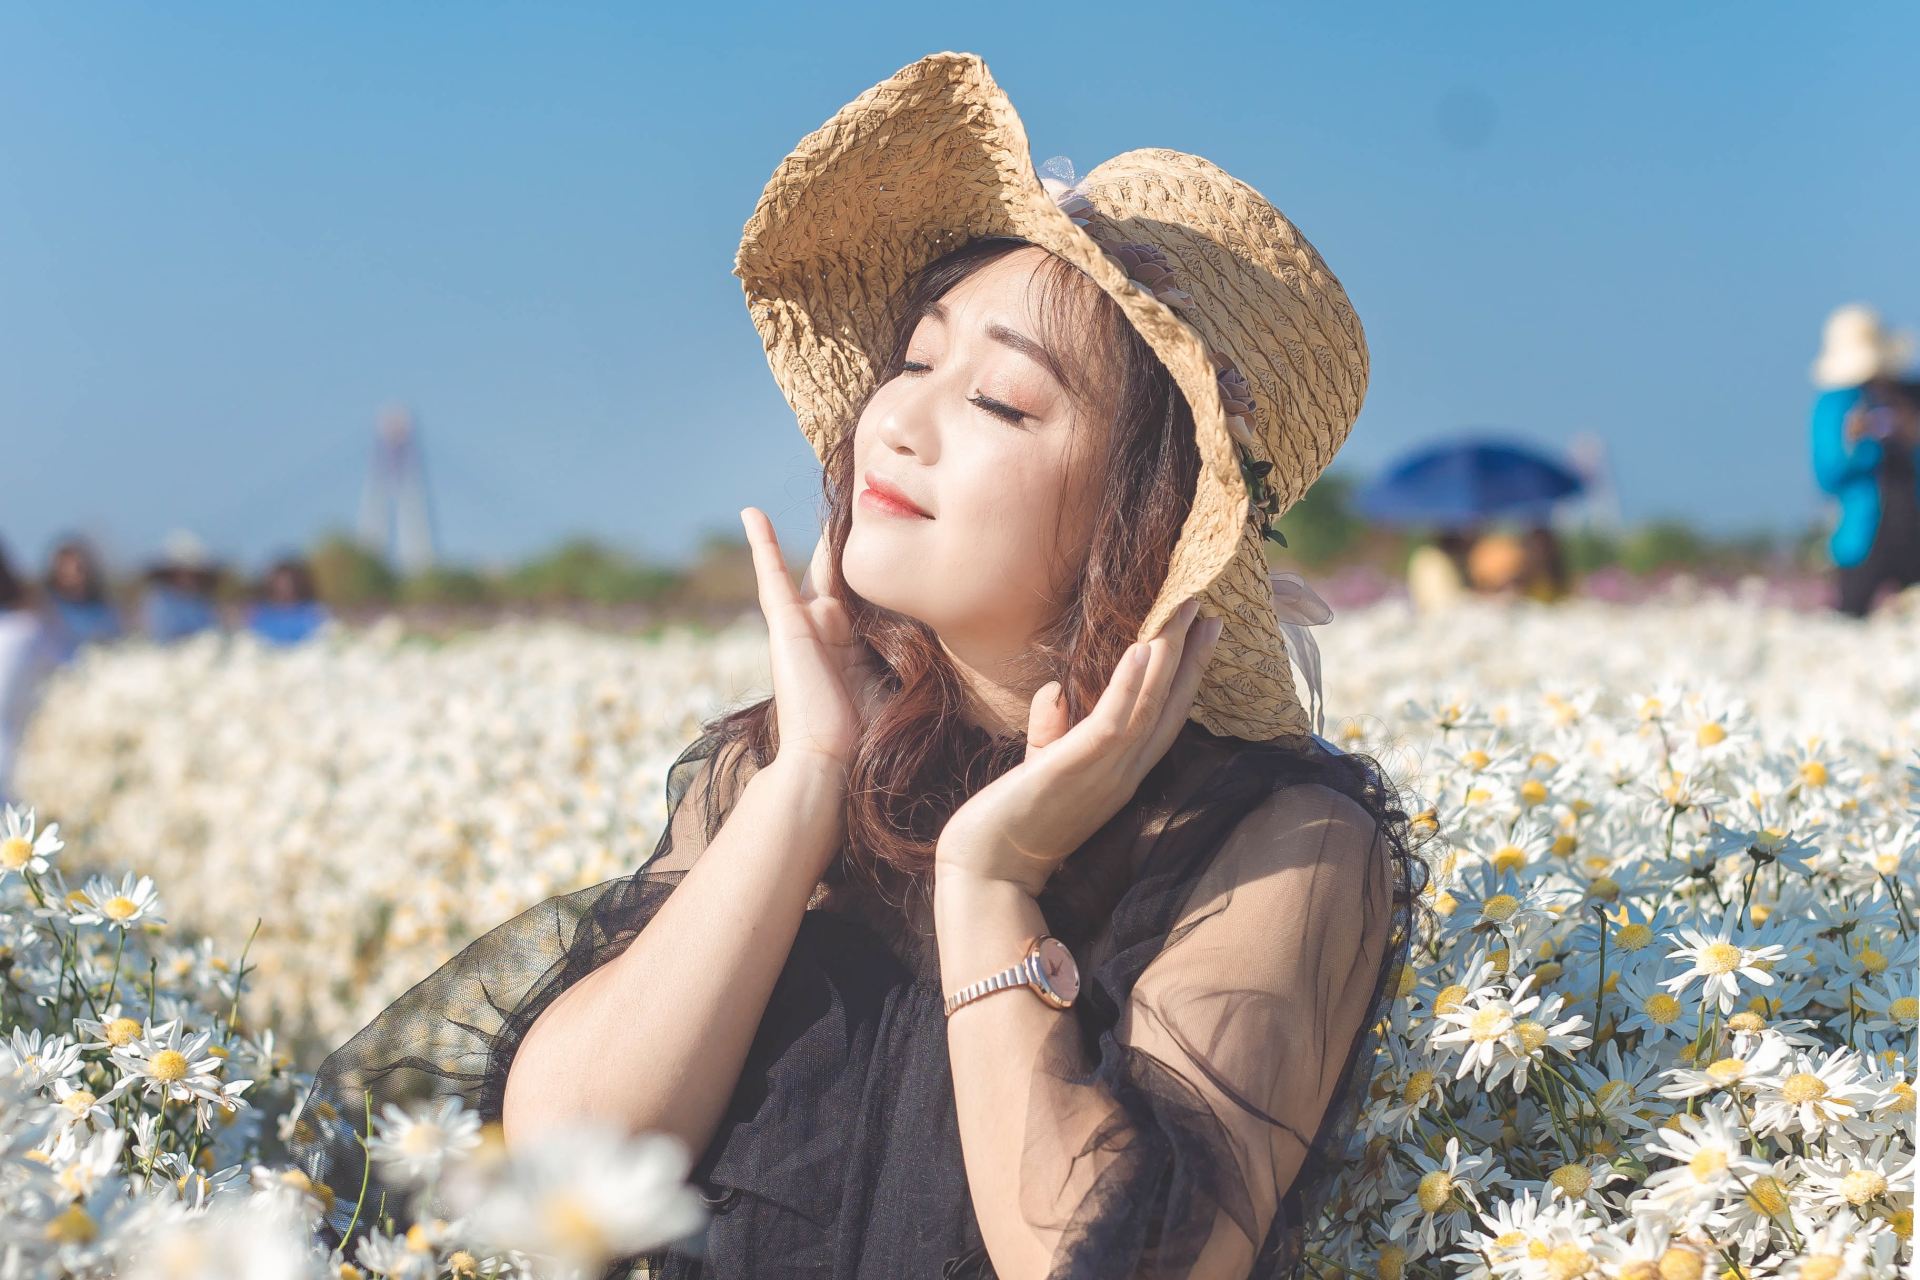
(76, 593)
(1866, 438)
(180, 588)
(289, 610)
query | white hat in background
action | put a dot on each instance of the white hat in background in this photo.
(1855, 346)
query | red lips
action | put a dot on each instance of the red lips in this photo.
(882, 489)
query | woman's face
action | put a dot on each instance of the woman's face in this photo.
(1009, 502)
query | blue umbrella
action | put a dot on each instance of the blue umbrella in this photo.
(1463, 481)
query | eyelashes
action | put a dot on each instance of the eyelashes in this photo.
(1005, 412)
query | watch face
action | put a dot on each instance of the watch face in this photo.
(1061, 973)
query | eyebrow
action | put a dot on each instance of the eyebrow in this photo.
(1009, 337)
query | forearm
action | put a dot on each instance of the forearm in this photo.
(656, 1038)
(996, 1046)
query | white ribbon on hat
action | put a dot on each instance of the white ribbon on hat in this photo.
(1298, 607)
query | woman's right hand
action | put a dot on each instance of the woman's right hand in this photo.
(825, 679)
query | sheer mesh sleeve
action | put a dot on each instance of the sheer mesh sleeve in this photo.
(1227, 1036)
(456, 1031)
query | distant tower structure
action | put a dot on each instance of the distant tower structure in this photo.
(395, 517)
(1588, 453)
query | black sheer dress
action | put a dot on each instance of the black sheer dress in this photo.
(1239, 928)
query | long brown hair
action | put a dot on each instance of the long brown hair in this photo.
(918, 758)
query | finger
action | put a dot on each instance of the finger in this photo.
(1164, 662)
(1047, 719)
(1106, 725)
(778, 599)
(1203, 638)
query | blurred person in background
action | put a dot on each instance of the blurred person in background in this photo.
(1543, 574)
(289, 610)
(1497, 563)
(76, 591)
(27, 654)
(180, 587)
(1865, 430)
(1437, 571)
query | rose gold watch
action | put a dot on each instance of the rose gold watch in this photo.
(1048, 970)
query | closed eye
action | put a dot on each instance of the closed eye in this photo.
(1005, 412)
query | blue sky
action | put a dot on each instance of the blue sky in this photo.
(229, 234)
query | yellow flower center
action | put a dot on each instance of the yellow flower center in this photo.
(1568, 1262)
(1490, 1023)
(118, 907)
(1661, 1008)
(1445, 903)
(1814, 774)
(1708, 1163)
(572, 1226)
(1418, 1086)
(15, 852)
(1766, 1195)
(1711, 734)
(1820, 1266)
(1681, 1263)
(1725, 1071)
(1564, 844)
(1532, 1034)
(463, 1264)
(1748, 1021)
(1435, 1190)
(1476, 760)
(1449, 998)
(1509, 857)
(1902, 1009)
(1605, 888)
(1863, 1185)
(1803, 1086)
(1572, 1179)
(1901, 1220)
(1871, 961)
(71, 1227)
(1533, 791)
(1500, 907)
(1632, 937)
(1390, 1263)
(121, 1031)
(78, 1101)
(1478, 795)
(1607, 1092)
(421, 1139)
(1643, 1269)
(1719, 957)
(169, 1065)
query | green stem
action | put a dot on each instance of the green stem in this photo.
(366, 1170)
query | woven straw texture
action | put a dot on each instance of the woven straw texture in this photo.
(934, 156)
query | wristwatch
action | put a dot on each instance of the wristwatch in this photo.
(1047, 969)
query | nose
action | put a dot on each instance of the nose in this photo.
(909, 422)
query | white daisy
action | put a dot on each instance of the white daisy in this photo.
(1813, 1096)
(1708, 1155)
(1445, 1197)
(415, 1148)
(161, 1063)
(39, 1058)
(1720, 963)
(131, 902)
(22, 852)
(584, 1197)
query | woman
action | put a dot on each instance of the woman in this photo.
(289, 609)
(964, 766)
(26, 657)
(76, 590)
(1865, 432)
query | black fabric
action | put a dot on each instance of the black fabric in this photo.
(839, 1155)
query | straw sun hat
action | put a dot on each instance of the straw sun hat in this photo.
(1257, 332)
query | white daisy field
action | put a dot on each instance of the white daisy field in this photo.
(1662, 1026)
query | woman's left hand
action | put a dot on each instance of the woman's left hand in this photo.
(1023, 824)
